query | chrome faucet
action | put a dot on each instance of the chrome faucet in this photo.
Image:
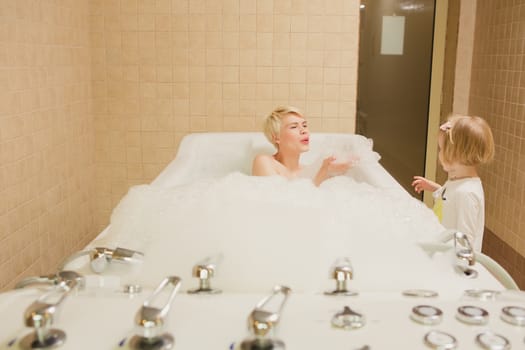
(463, 248)
(465, 254)
(41, 314)
(150, 320)
(100, 257)
(261, 322)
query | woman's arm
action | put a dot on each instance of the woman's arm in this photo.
(330, 168)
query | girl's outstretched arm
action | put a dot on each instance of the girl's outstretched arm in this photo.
(422, 184)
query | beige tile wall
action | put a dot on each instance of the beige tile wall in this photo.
(498, 94)
(119, 83)
(46, 135)
(164, 68)
(467, 23)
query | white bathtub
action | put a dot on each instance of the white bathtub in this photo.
(212, 207)
(101, 319)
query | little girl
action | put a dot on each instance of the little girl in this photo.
(464, 143)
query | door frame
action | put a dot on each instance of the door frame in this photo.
(436, 93)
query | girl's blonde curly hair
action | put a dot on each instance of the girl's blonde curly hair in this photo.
(467, 140)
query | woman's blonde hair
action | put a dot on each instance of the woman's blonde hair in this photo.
(272, 124)
(467, 140)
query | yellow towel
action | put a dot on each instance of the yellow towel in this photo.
(438, 208)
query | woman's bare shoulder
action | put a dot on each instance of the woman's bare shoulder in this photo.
(263, 158)
(263, 164)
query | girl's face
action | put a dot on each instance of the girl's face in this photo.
(294, 135)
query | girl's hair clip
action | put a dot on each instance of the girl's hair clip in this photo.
(445, 126)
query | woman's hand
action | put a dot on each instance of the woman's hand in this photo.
(422, 184)
(332, 167)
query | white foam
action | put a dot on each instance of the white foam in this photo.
(271, 230)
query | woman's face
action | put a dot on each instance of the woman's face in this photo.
(294, 135)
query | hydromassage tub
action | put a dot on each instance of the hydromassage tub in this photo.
(205, 250)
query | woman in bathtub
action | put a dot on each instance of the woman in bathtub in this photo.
(287, 129)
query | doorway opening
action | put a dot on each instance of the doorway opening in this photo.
(393, 93)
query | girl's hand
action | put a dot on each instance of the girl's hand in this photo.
(422, 184)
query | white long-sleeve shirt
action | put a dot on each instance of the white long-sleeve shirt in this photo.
(460, 205)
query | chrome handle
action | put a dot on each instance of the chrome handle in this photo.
(462, 245)
(117, 254)
(260, 320)
(342, 272)
(100, 257)
(41, 314)
(151, 319)
(463, 251)
(463, 248)
(61, 276)
(204, 271)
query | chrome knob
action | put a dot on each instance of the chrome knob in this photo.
(98, 260)
(204, 271)
(348, 319)
(342, 272)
